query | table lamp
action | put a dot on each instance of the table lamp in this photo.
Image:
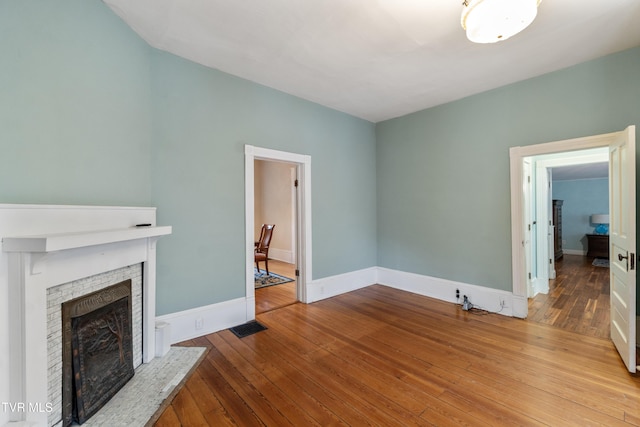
(601, 221)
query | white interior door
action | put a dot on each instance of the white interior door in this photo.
(526, 181)
(622, 251)
(552, 228)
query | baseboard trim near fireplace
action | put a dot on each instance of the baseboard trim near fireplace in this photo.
(196, 322)
(224, 315)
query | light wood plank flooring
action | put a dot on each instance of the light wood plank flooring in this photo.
(380, 356)
(578, 299)
(277, 296)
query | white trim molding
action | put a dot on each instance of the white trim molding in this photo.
(516, 156)
(574, 252)
(200, 321)
(212, 318)
(304, 246)
(331, 286)
(445, 290)
(283, 255)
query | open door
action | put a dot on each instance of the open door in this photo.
(551, 226)
(528, 225)
(622, 238)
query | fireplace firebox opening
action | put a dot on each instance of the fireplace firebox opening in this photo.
(97, 352)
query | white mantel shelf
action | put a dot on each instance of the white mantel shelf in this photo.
(63, 241)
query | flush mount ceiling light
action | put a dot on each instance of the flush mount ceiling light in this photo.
(490, 21)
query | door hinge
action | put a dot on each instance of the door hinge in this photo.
(529, 276)
(295, 183)
(550, 261)
(297, 273)
(632, 261)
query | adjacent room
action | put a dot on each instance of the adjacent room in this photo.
(577, 295)
(349, 179)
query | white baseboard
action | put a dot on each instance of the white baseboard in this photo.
(205, 320)
(445, 290)
(281, 255)
(540, 286)
(574, 252)
(328, 287)
(196, 322)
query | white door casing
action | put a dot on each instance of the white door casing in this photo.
(622, 241)
(303, 253)
(623, 148)
(526, 188)
(551, 227)
(544, 208)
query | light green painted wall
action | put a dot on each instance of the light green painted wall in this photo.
(90, 114)
(75, 111)
(202, 120)
(443, 173)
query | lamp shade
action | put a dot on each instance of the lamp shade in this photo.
(600, 219)
(490, 21)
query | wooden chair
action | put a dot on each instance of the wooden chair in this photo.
(261, 252)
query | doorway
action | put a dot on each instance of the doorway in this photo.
(570, 287)
(301, 248)
(275, 201)
(544, 236)
(622, 247)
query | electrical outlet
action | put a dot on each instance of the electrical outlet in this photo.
(199, 323)
(457, 294)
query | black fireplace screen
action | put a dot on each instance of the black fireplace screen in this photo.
(98, 346)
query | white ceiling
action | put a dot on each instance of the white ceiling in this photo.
(376, 59)
(583, 171)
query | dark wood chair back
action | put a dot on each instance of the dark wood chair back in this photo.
(262, 246)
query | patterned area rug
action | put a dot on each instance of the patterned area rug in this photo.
(600, 262)
(262, 279)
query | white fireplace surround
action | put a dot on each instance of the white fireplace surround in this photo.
(45, 246)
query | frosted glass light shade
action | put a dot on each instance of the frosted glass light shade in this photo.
(490, 21)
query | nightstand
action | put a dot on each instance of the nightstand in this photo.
(598, 245)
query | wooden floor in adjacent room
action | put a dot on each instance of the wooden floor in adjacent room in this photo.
(277, 296)
(578, 298)
(381, 356)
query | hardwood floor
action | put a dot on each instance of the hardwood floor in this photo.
(578, 299)
(380, 356)
(277, 296)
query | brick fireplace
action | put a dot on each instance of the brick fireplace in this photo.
(52, 254)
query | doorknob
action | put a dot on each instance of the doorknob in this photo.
(620, 257)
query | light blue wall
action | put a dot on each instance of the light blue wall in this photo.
(443, 173)
(90, 114)
(75, 111)
(202, 120)
(581, 199)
